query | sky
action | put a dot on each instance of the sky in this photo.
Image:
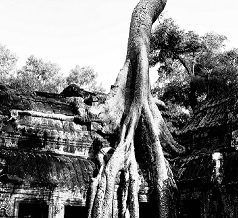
(94, 33)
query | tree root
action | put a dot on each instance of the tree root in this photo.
(129, 102)
(123, 159)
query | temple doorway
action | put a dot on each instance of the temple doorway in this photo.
(75, 212)
(35, 209)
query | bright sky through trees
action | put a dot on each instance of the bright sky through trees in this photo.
(92, 32)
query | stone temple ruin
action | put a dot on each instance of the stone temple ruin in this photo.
(45, 171)
(45, 153)
(207, 177)
(46, 160)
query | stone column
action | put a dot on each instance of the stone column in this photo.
(58, 210)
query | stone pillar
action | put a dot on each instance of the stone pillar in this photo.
(217, 171)
(115, 203)
(58, 211)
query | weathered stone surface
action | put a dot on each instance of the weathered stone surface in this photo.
(43, 152)
(44, 144)
(42, 122)
(207, 175)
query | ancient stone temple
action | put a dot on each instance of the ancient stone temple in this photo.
(207, 177)
(44, 166)
(46, 146)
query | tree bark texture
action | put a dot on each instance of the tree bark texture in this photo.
(128, 110)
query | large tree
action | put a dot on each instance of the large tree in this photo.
(189, 62)
(128, 111)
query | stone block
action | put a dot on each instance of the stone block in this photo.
(66, 126)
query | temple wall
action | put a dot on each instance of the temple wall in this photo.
(55, 200)
(44, 171)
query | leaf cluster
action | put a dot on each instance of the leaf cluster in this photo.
(85, 78)
(192, 68)
(45, 76)
(8, 62)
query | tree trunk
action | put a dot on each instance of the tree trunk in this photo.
(129, 103)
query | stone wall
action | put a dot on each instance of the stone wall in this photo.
(46, 146)
(44, 154)
(56, 200)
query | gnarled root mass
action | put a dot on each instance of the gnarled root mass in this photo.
(128, 104)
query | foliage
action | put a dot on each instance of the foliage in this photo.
(8, 62)
(222, 75)
(38, 75)
(176, 97)
(176, 116)
(85, 78)
(192, 67)
(170, 43)
(177, 92)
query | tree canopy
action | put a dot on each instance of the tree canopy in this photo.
(40, 75)
(8, 62)
(85, 78)
(193, 67)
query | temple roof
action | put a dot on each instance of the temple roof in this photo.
(47, 121)
(213, 113)
(34, 168)
(197, 169)
(193, 169)
(42, 101)
(12, 99)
